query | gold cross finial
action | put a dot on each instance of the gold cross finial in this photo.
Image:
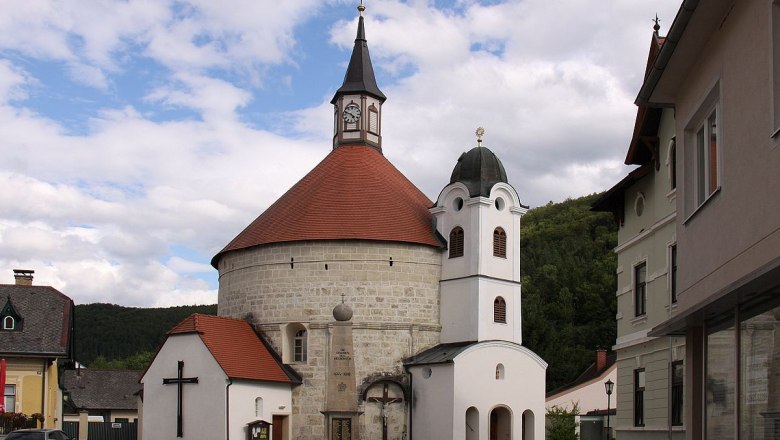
(361, 8)
(480, 132)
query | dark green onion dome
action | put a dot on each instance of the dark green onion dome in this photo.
(479, 169)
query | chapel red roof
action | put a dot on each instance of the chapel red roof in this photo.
(235, 346)
(354, 193)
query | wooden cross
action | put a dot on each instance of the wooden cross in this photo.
(179, 381)
(384, 401)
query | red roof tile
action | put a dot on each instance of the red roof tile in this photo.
(354, 193)
(235, 346)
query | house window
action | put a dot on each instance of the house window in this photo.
(673, 273)
(499, 243)
(639, 397)
(299, 346)
(499, 310)
(678, 372)
(707, 157)
(640, 289)
(456, 242)
(259, 407)
(9, 323)
(720, 380)
(9, 398)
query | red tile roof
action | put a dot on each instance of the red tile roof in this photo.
(235, 346)
(354, 193)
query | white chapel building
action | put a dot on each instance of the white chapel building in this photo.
(399, 318)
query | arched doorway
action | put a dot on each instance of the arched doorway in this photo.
(472, 424)
(500, 424)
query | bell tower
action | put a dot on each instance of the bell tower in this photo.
(478, 214)
(357, 104)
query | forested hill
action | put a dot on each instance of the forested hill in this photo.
(118, 333)
(568, 278)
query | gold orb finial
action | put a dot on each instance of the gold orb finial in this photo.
(361, 8)
(480, 132)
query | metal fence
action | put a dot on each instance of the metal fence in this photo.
(104, 430)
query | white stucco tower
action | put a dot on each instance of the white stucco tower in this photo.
(478, 214)
(479, 383)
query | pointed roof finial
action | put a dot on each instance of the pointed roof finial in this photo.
(656, 27)
(480, 132)
(359, 77)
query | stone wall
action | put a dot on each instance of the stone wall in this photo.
(392, 288)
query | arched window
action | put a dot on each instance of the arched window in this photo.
(456, 242)
(472, 424)
(299, 346)
(500, 373)
(259, 407)
(9, 323)
(499, 310)
(499, 243)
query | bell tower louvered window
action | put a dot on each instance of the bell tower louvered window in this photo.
(456, 242)
(499, 243)
(499, 310)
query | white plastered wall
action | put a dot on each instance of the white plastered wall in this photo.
(207, 397)
(277, 400)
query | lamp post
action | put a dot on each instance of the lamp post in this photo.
(608, 385)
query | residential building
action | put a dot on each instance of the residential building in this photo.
(644, 204)
(109, 394)
(719, 70)
(36, 329)
(588, 392)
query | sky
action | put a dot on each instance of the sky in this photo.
(138, 137)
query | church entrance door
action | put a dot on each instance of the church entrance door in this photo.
(277, 432)
(500, 424)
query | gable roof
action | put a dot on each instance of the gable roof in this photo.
(645, 136)
(101, 389)
(354, 193)
(591, 373)
(48, 321)
(238, 350)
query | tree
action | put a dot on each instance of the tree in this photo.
(562, 423)
(568, 278)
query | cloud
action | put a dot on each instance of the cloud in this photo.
(174, 148)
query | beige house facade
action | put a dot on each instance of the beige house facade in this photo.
(719, 70)
(649, 369)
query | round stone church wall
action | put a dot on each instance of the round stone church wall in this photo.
(392, 288)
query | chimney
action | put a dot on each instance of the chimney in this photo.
(23, 277)
(601, 359)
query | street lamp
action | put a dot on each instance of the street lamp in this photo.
(608, 385)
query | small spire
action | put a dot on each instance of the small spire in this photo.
(361, 8)
(656, 27)
(343, 295)
(480, 132)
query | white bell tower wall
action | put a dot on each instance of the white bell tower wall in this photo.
(480, 290)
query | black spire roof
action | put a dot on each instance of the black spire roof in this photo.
(360, 73)
(479, 169)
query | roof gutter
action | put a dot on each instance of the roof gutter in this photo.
(667, 50)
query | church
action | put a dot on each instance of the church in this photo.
(388, 315)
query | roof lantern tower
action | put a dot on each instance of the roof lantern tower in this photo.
(357, 112)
